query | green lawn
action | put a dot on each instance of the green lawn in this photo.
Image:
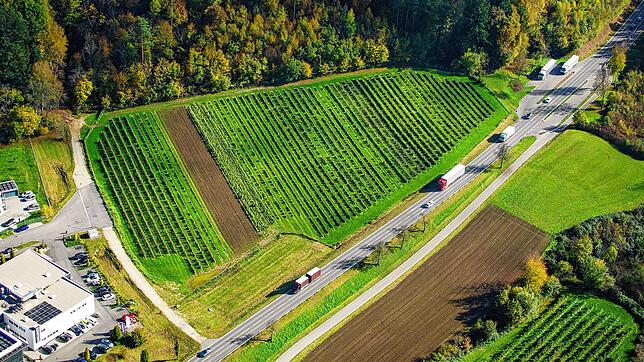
(575, 327)
(499, 84)
(57, 165)
(576, 177)
(17, 162)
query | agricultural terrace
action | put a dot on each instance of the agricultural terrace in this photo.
(441, 296)
(165, 223)
(325, 158)
(574, 328)
(575, 166)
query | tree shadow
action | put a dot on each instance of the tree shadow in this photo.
(479, 302)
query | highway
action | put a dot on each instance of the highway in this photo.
(547, 120)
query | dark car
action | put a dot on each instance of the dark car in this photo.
(22, 228)
(77, 331)
(65, 337)
(81, 262)
(9, 222)
(203, 353)
(80, 359)
(47, 349)
(527, 115)
(78, 256)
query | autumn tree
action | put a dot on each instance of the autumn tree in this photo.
(617, 62)
(25, 122)
(46, 90)
(535, 274)
(82, 91)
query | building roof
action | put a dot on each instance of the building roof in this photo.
(8, 343)
(52, 301)
(28, 272)
(7, 186)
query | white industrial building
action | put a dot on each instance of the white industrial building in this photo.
(39, 299)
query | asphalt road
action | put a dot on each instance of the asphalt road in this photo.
(545, 123)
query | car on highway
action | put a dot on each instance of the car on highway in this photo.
(108, 296)
(427, 205)
(527, 115)
(204, 353)
(547, 100)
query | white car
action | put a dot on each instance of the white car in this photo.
(547, 100)
(108, 296)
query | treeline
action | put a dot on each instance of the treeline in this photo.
(119, 53)
(603, 255)
(621, 109)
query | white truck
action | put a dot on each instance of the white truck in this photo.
(569, 64)
(451, 176)
(546, 69)
(506, 133)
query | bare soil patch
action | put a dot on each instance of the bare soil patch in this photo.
(211, 184)
(439, 297)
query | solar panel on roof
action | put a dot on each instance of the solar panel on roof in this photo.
(42, 313)
(8, 186)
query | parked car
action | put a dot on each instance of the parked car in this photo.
(32, 207)
(9, 223)
(80, 359)
(102, 348)
(77, 331)
(29, 198)
(47, 349)
(83, 327)
(108, 296)
(107, 342)
(103, 290)
(92, 321)
(81, 262)
(65, 337)
(92, 354)
(54, 346)
(78, 256)
(20, 229)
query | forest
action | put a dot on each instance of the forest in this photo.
(108, 54)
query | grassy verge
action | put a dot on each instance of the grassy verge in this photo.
(17, 163)
(499, 83)
(236, 292)
(163, 340)
(57, 166)
(344, 289)
(576, 177)
(590, 309)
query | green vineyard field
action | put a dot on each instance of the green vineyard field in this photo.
(325, 158)
(165, 223)
(574, 328)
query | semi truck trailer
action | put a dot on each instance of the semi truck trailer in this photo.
(546, 69)
(569, 64)
(506, 133)
(306, 279)
(451, 176)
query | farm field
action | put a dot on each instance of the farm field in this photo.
(439, 297)
(323, 159)
(210, 182)
(573, 328)
(163, 221)
(575, 166)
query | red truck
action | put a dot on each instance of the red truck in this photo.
(306, 279)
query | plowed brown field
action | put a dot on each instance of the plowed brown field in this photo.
(433, 302)
(211, 184)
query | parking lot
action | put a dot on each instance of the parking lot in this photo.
(92, 331)
(17, 208)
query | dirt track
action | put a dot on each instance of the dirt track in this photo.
(432, 303)
(211, 184)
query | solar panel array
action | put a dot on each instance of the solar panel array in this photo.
(5, 342)
(42, 313)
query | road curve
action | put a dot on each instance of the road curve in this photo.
(545, 123)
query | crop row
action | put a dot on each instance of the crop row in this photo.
(310, 159)
(161, 212)
(572, 329)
